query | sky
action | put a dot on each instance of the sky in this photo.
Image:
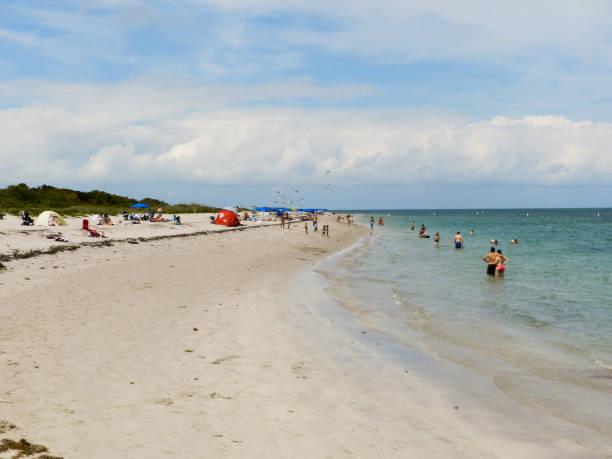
(337, 104)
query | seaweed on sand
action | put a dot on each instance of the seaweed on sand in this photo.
(25, 448)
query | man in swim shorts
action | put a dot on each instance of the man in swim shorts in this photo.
(491, 259)
(458, 240)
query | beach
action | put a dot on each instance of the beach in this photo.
(223, 343)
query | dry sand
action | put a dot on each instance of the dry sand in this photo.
(189, 348)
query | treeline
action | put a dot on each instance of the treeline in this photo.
(71, 202)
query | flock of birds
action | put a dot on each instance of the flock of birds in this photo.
(290, 197)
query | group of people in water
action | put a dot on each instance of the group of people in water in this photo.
(496, 262)
(495, 259)
(381, 222)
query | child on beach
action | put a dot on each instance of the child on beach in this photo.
(306, 228)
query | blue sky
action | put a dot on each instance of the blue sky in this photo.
(405, 104)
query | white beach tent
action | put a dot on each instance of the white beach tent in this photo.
(45, 219)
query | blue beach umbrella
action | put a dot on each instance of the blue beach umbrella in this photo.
(140, 205)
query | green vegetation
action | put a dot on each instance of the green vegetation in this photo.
(73, 203)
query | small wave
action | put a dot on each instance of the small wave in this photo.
(602, 364)
(530, 320)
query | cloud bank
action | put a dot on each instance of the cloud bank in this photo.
(142, 132)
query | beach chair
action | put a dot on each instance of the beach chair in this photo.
(26, 220)
(86, 228)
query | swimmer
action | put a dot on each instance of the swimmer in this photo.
(514, 241)
(502, 259)
(458, 240)
(471, 232)
(491, 259)
(493, 242)
(437, 240)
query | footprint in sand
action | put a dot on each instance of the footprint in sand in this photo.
(5, 426)
(167, 401)
(224, 359)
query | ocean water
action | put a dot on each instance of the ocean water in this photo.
(542, 334)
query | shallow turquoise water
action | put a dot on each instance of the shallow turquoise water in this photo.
(557, 282)
(543, 333)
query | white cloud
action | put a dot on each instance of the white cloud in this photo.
(139, 133)
(402, 31)
(19, 37)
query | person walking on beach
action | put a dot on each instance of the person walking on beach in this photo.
(458, 240)
(501, 264)
(282, 217)
(314, 222)
(371, 223)
(306, 228)
(491, 259)
(437, 240)
(381, 221)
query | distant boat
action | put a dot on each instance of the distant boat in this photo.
(598, 213)
(527, 214)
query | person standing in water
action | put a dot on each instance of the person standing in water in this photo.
(501, 264)
(371, 223)
(412, 225)
(458, 240)
(491, 259)
(437, 240)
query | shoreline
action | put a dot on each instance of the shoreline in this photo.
(416, 350)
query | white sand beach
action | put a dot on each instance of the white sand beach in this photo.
(189, 347)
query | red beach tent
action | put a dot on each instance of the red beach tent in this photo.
(227, 217)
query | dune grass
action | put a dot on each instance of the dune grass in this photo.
(76, 203)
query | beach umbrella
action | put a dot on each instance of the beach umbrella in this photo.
(140, 205)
